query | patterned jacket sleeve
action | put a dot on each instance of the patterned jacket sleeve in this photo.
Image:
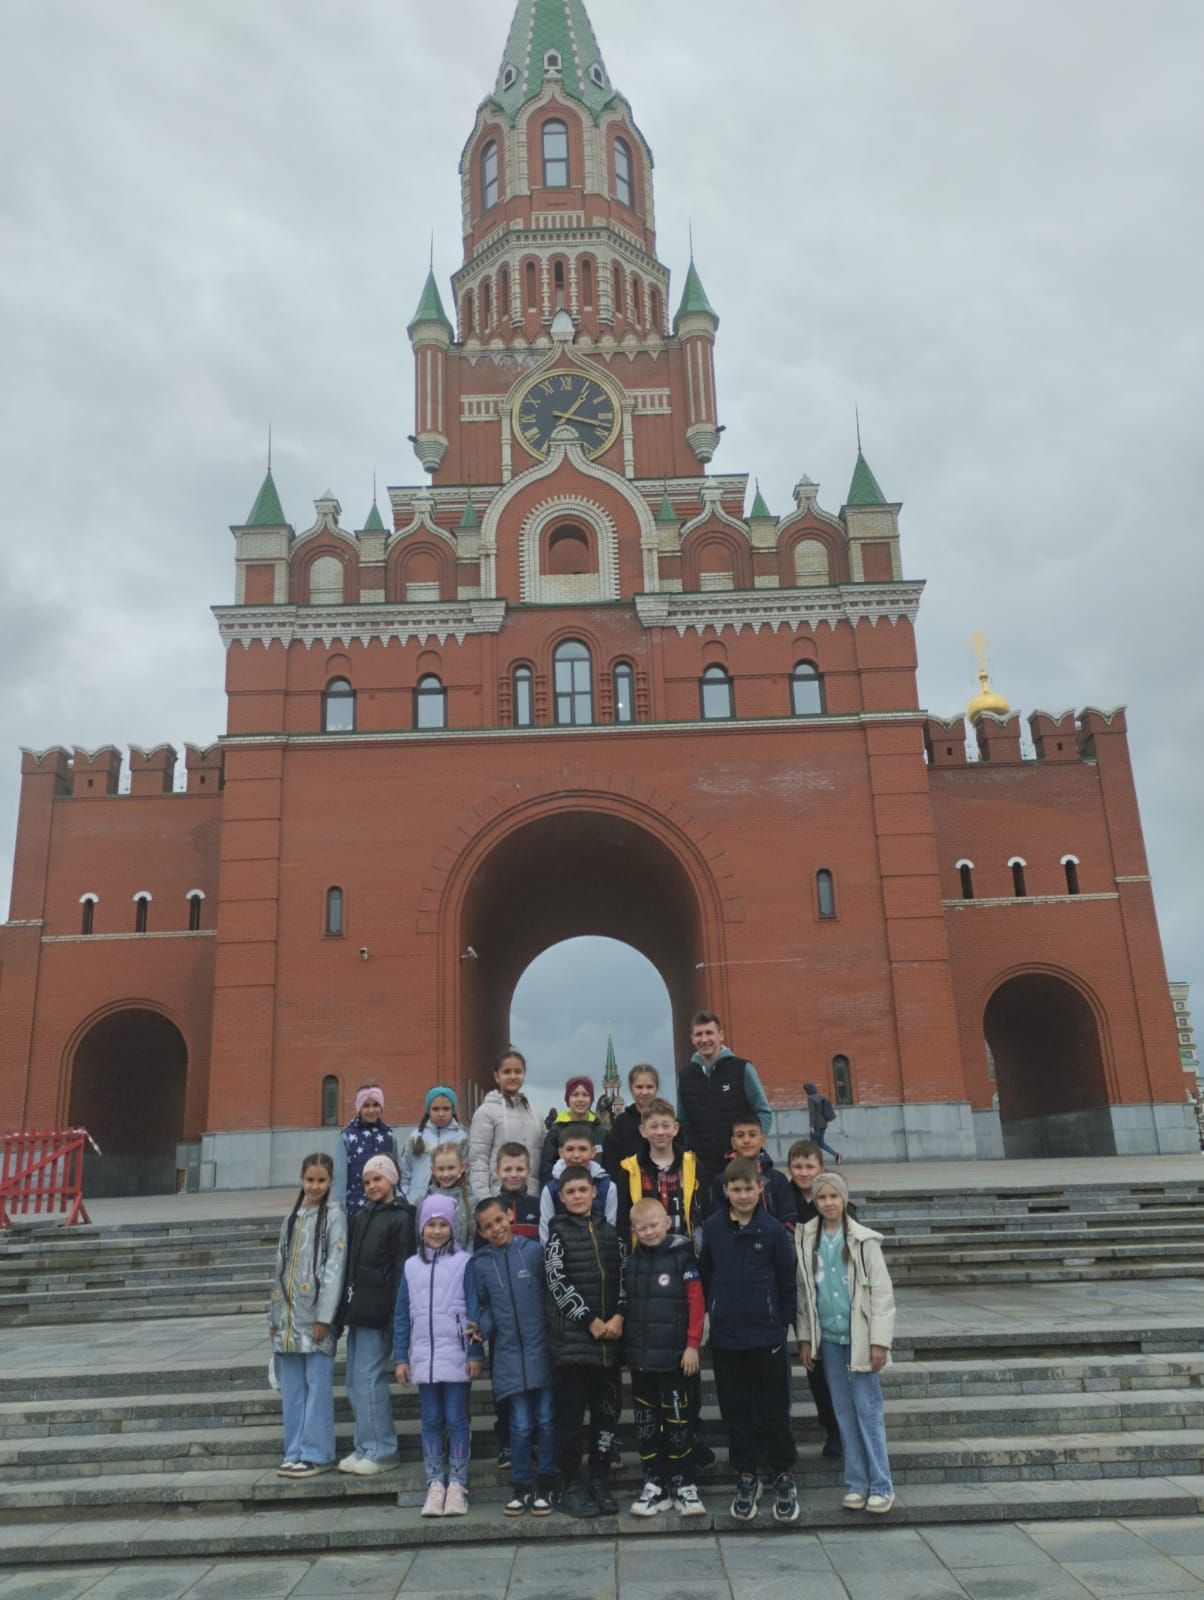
(568, 1299)
(334, 1265)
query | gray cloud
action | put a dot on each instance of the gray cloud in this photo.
(979, 223)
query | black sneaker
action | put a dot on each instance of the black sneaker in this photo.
(503, 1456)
(704, 1458)
(518, 1502)
(833, 1446)
(785, 1499)
(748, 1490)
(600, 1494)
(540, 1504)
(576, 1500)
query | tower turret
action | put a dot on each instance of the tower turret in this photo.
(431, 336)
(695, 325)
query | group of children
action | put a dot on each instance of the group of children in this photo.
(431, 1256)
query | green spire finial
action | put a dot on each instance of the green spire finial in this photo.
(759, 508)
(694, 297)
(267, 511)
(864, 490)
(469, 522)
(430, 306)
(375, 522)
(666, 512)
(552, 38)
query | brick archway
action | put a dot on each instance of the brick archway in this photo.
(128, 1075)
(561, 866)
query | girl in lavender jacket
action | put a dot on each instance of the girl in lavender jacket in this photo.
(432, 1347)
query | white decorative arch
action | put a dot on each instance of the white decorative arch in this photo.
(538, 587)
(195, 894)
(142, 894)
(325, 581)
(964, 862)
(1017, 861)
(95, 898)
(1072, 859)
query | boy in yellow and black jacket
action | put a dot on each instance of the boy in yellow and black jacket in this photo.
(663, 1171)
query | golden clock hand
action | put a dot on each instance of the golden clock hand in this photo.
(565, 416)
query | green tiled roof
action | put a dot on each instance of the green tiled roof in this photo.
(759, 508)
(864, 490)
(469, 519)
(666, 512)
(430, 307)
(540, 26)
(267, 511)
(374, 523)
(694, 296)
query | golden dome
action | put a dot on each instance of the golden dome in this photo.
(986, 699)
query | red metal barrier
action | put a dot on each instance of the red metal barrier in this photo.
(43, 1172)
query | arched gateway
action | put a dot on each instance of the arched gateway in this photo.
(128, 1075)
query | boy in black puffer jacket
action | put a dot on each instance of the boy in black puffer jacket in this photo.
(665, 1314)
(583, 1260)
(381, 1241)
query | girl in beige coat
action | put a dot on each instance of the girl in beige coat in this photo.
(847, 1306)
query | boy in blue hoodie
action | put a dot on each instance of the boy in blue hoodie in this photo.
(748, 1276)
(505, 1296)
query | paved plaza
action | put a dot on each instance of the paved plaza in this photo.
(1159, 1557)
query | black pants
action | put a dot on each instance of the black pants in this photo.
(663, 1426)
(754, 1402)
(817, 1382)
(598, 1390)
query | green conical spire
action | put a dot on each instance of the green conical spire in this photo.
(666, 512)
(544, 33)
(694, 296)
(430, 307)
(267, 511)
(610, 1075)
(469, 521)
(375, 523)
(864, 490)
(759, 508)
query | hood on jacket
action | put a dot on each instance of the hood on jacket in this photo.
(855, 1231)
(596, 1169)
(709, 1066)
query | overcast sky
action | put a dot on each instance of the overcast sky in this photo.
(979, 222)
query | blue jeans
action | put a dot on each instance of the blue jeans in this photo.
(307, 1393)
(857, 1402)
(445, 1409)
(532, 1416)
(817, 1137)
(369, 1369)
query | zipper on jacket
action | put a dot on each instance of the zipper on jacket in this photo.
(431, 1317)
(288, 1293)
(522, 1346)
(602, 1279)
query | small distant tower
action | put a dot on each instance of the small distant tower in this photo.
(610, 1101)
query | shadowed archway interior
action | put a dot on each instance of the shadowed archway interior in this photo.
(565, 876)
(1049, 1068)
(128, 1078)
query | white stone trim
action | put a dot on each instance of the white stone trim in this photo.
(1017, 861)
(964, 862)
(1026, 900)
(89, 895)
(142, 894)
(781, 608)
(329, 625)
(195, 894)
(536, 586)
(109, 938)
(1133, 877)
(26, 922)
(1065, 859)
(712, 507)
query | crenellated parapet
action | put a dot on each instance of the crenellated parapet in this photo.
(1056, 737)
(96, 774)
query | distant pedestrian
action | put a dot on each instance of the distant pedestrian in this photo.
(822, 1112)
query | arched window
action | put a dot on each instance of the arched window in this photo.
(486, 306)
(142, 902)
(503, 293)
(466, 318)
(1071, 866)
(559, 297)
(573, 678)
(87, 917)
(624, 688)
(326, 582)
(716, 689)
(568, 552)
(587, 281)
(655, 316)
(532, 287)
(338, 707)
(965, 871)
(489, 176)
(332, 925)
(623, 190)
(430, 702)
(555, 155)
(619, 306)
(524, 703)
(806, 690)
(195, 897)
(842, 1081)
(637, 300)
(1018, 864)
(330, 1102)
(825, 894)
(811, 564)
(551, 61)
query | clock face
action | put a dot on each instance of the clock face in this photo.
(571, 399)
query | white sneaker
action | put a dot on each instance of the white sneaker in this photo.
(349, 1463)
(880, 1504)
(433, 1504)
(687, 1502)
(653, 1499)
(455, 1503)
(854, 1501)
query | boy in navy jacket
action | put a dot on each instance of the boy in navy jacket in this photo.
(748, 1277)
(777, 1192)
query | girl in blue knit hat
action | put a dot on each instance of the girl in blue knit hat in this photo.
(438, 1128)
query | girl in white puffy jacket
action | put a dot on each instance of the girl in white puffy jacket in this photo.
(846, 1305)
(504, 1116)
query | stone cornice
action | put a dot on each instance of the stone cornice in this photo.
(780, 608)
(1024, 900)
(326, 625)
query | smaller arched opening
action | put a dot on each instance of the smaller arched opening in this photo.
(1070, 866)
(965, 875)
(128, 1079)
(330, 1101)
(196, 899)
(338, 707)
(1017, 866)
(87, 919)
